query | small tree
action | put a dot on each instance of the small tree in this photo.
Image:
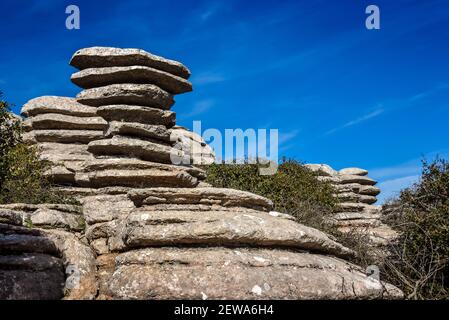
(419, 260)
(10, 136)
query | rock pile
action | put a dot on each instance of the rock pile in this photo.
(147, 228)
(356, 193)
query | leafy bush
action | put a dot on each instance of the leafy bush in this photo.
(10, 135)
(293, 189)
(22, 173)
(419, 260)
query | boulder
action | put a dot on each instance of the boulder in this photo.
(369, 190)
(97, 57)
(127, 93)
(349, 178)
(62, 136)
(322, 169)
(144, 228)
(137, 114)
(217, 196)
(59, 105)
(98, 77)
(31, 276)
(354, 171)
(240, 273)
(60, 121)
(132, 147)
(355, 197)
(152, 131)
(104, 208)
(141, 178)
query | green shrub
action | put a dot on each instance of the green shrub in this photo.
(293, 188)
(22, 173)
(419, 260)
(10, 135)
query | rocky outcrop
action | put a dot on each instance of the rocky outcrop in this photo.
(146, 227)
(356, 210)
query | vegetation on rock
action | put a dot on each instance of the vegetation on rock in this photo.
(419, 260)
(293, 188)
(22, 173)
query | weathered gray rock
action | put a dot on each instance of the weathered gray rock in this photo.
(348, 178)
(59, 105)
(354, 171)
(135, 164)
(62, 136)
(97, 77)
(355, 197)
(240, 273)
(31, 276)
(145, 228)
(132, 147)
(322, 169)
(192, 145)
(104, 208)
(152, 131)
(137, 114)
(79, 263)
(60, 121)
(357, 207)
(207, 196)
(369, 190)
(142, 178)
(97, 57)
(127, 93)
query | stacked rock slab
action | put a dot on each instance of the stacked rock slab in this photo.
(132, 91)
(356, 210)
(176, 241)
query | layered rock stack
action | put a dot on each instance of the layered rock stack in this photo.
(152, 231)
(356, 210)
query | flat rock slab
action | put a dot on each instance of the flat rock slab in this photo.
(31, 276)
(354, 171)
(349, 178)
(54, 104)
(358, 207)
(104, 208)
(136, 164)
(98, 77)
(127, 93)
(63, 136)
(137, 114)
(144, 228)
(321, 169)
(152, 131)
(357, 188)
(142, 178)
(132, 147)
(65, 122)
(240, 273)
(355, 197)
(208, 196)
(97, 57)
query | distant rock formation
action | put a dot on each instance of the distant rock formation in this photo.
(147, 228)
(356, 211)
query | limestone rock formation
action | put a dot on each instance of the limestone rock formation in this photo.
(147, 228)
(357, 195)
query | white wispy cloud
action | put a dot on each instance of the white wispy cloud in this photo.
(391, 188)
(200, 107)
(207, 77)
(287, 136)
(356, 121)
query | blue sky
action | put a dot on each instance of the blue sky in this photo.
(338, 93)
